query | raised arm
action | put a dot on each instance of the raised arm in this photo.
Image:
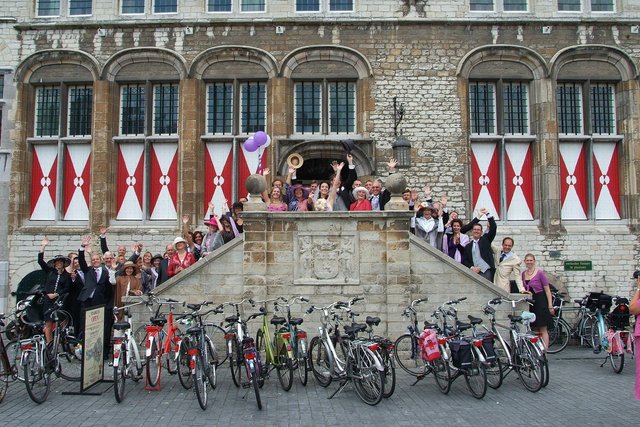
(43, 265)
(103, 239)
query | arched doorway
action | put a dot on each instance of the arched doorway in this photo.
(317, 168)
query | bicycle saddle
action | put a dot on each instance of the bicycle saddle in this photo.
(463, 326)
(474, 320)
(158, 321)
(515, 318)
(278, 320)
(375, 321)
(194, 330)
(428, 325)
(194, 307)
(355, 328)
(121, 326)
(296, 321)
(231, 319)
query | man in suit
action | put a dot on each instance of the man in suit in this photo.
(97, 289)
(478, 255)
(379, 196)
(507, 265)
(163, 270)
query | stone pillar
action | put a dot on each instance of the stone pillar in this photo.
(255, 184)
(190, 194)
(103, 162)
(396, 183)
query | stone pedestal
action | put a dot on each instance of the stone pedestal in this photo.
(396, 184)
(256, 184)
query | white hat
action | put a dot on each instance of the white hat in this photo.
(355, 192)
(179, 240)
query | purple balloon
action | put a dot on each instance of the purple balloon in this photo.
(250, 145)
(260, 138)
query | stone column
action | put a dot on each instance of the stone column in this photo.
(103, 162)
(190, 196)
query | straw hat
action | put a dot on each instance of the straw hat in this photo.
(131, 264)
(295, 160)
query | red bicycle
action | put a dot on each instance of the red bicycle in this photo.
(158, 342)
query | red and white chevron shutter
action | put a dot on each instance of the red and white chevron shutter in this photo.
(606, 183)
(163, 185)
(76, 181)
(485, 177)
(573, 180)
(218, 174)
(43, 182)
(247, 165)
(519, 180)
(130, 181)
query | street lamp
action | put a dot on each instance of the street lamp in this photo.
(401, 145)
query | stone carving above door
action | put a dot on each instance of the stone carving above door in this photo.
(322, 258)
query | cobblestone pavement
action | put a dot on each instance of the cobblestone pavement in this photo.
(580, 393)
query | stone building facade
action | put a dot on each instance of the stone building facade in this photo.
(123, 114)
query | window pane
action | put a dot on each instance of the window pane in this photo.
(1, 86)
(165, 6)
(133, 6)
(219, 108)
(569, 5)
(80, 108)
(481, 5)
(603, 118)
(252, 6)
(516, 108)
(307, 5)
(515, 5)
(602, 5)
(219, 5)
(308, 105)
(80, 7)
(132, 110)
(253, 105)
(342, 107)
(569, 102)
(340, 5)
(165, 109)
(47, 111)
(482, 101)
(48, 7)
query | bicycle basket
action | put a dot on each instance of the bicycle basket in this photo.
(599, 300)
(619, 318)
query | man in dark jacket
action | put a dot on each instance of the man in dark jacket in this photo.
(478, 255)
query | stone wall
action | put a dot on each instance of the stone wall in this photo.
(365, 254)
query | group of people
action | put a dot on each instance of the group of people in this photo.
(86, 279)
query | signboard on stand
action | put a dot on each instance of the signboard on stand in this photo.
(92, 347)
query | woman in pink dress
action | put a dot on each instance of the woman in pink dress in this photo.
(634, 308)
(275, 203)
(181, 259)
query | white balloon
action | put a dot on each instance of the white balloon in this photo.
(268, 143)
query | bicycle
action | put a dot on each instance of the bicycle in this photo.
(407, 350)
(40, 360)
(599, 303)
(298, 339)
(522, 353)
(126, 356)
(202, 358)
(158, 343)
(360, 363)
(241, 350)
(619, 338)
(276, 348)
(560, 331)
(9, 355)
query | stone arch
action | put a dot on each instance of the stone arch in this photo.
(509, 53)
(140, 55)
(233, 53)
(56, 57)
(330, 150)
(599, 53)
(326, 53)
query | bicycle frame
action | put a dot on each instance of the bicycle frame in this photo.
(127, 338)
(154, 332)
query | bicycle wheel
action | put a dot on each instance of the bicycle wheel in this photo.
(69, 361)
(303, 370)
(235, 362)
(201, 382)
(36, 378)
(154, 362)
(407, 354)
(140, 335)
(529, 366)
(367, 379)
(172, 354)
(254, 373)
(216, 335)
(212, 362)
(5, 374)
(120, 374)
(389, 372)
(559, 334)
(476, 377)
(494, 374)
(596, 339)
(134, 366)
(442, 373)
(616, 360)
(319, 362)
(586, 336)
(184, 369)
(284, 368)
(545, 370)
